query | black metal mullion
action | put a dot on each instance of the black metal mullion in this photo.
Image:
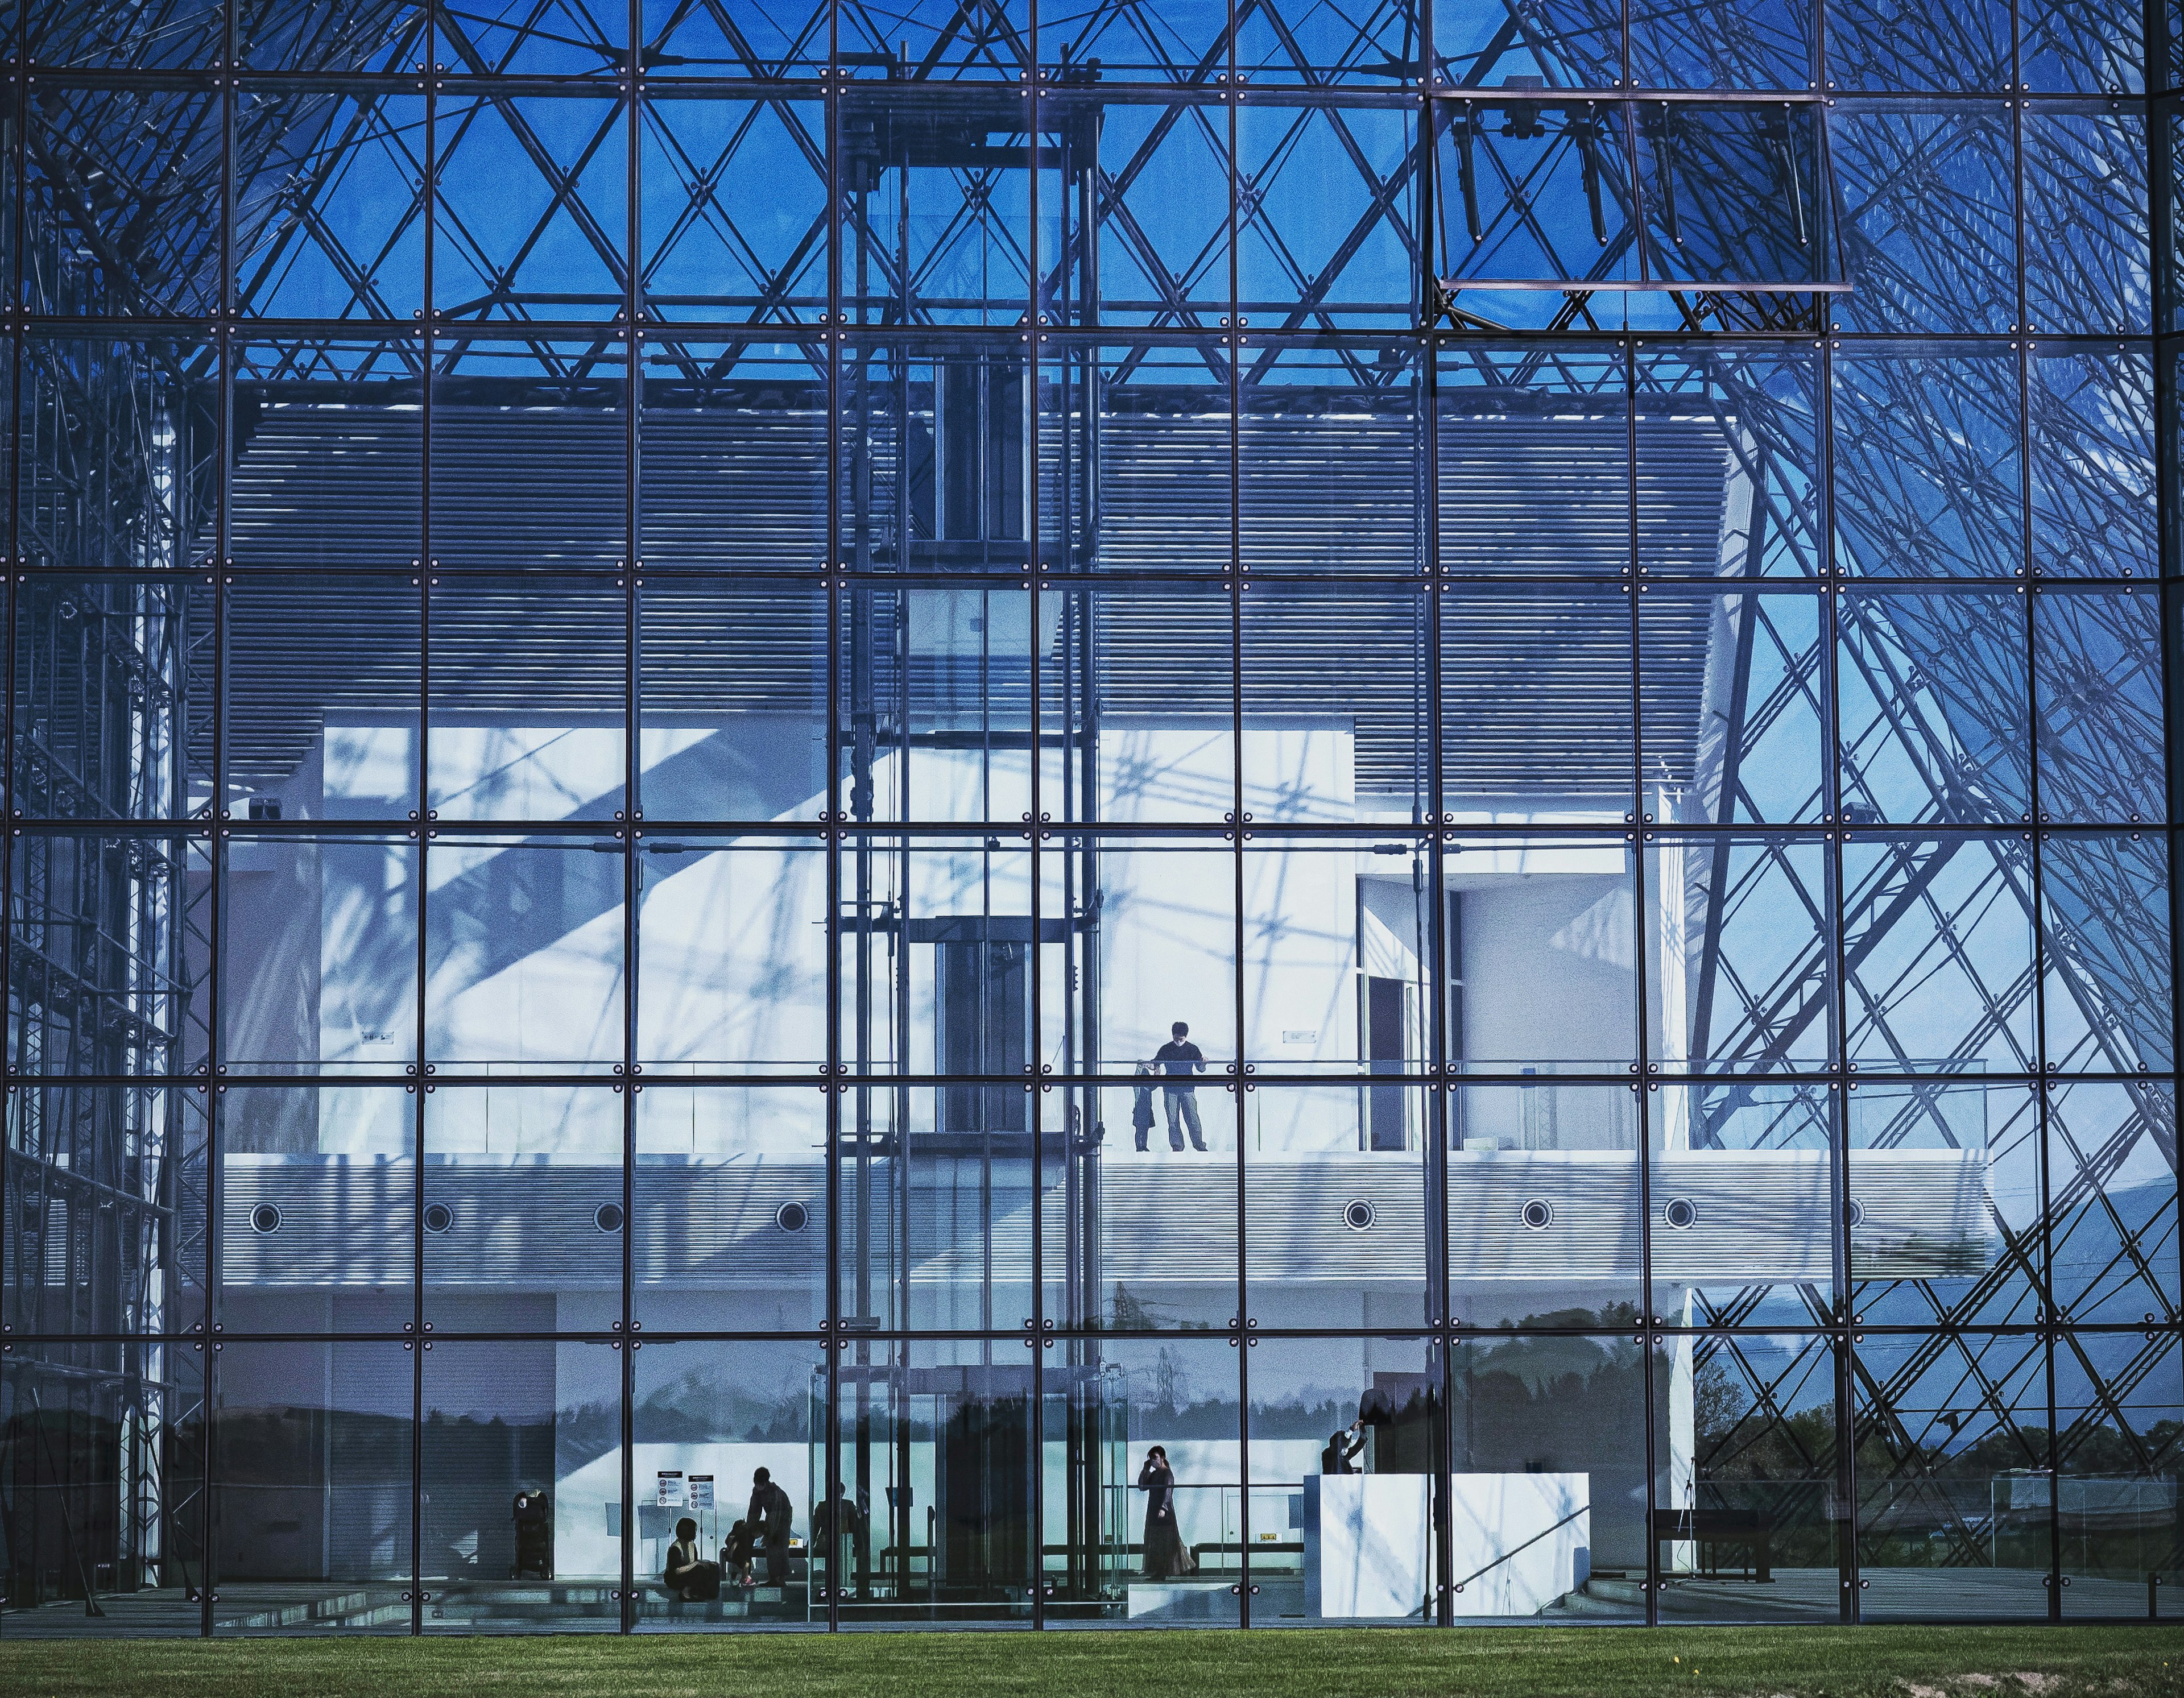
(633, 786)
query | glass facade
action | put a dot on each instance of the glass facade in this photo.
(658, 649)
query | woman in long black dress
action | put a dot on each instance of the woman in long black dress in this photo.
(1166, 1554)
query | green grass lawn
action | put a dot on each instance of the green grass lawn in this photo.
(1802, 1661)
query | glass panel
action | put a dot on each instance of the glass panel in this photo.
(350, 245)
(1732, 193)
(711, 1419)
(1927, 465)
(156, 151)
(743, 38)
(1328, 236)
(2071, 45)
(1549, 1436)
(2086, 221)
(731, 458)
(559, 38)
(1347, 1439)
(1937, 954)
(116, 442)
(1529, 192)
(1338, 943)
(937, 1438)
(935, 226)
(524, 1211)
(1732, 695)
(105, 1457)
(932, 456)
(116, 36)
(731, 685)
(936, 1204)
(735, 207)
(1336, 703)
(2104, 934)
(1137, 704)
(1534, 456)
(531, 213)
(1184, 41)
(1543, 1205)
(524, 965)
(2116, 1437)
(730, 1199)
(521, 1517)
(527, 707)
(330, 35)
(2112, 1202)
(1742, 1205)
(103, 985)
(325, 473)
(2090, 436)
(113, 698)
(1906, 170)
(1745, 1481)
(1918, 44)
(1728, 478)
(934, 695)
(318, 1202)
(311, 1463)
(1336, 1204)
(2097, 663)
(1161, 244)
(319, 955)
(1475, 46)
(923, 39)
(527, 465)
(1944, 1203)
(1953, 1488)
(1745, 44)
(1535, 705)
(1134, 445)
(108, 1207)
(1738, 947)
(1300, 42)
(1541, 944)
(1932, 693)
(323, 680)
(1331, 456)
(1132, 1542)
(732, 972)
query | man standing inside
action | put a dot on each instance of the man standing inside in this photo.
(1181, 1058)
(769, 1518)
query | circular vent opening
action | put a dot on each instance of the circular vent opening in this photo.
(1680, 1213)
(265, 1218)
(609, 1218)
(792, 1218)
(1856, 1212)
(1538, 1214)
(1358, 1215)
(438, 1217)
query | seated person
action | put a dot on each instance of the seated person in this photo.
(688, 1575)
(738, 1555)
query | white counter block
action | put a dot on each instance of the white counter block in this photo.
(1521, 1541)
(1368, 1545)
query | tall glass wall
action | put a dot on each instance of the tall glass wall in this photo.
(830, 816)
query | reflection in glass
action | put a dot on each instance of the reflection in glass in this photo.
(1548, 1491)
(1746, 1466)
(1954, 1480)
(318, 1201)
(1544, 1212)
(520, 1520)
(311, 1500)
(707, 1417)
(1345, 1437)
(729, 1210)
(524, 953)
